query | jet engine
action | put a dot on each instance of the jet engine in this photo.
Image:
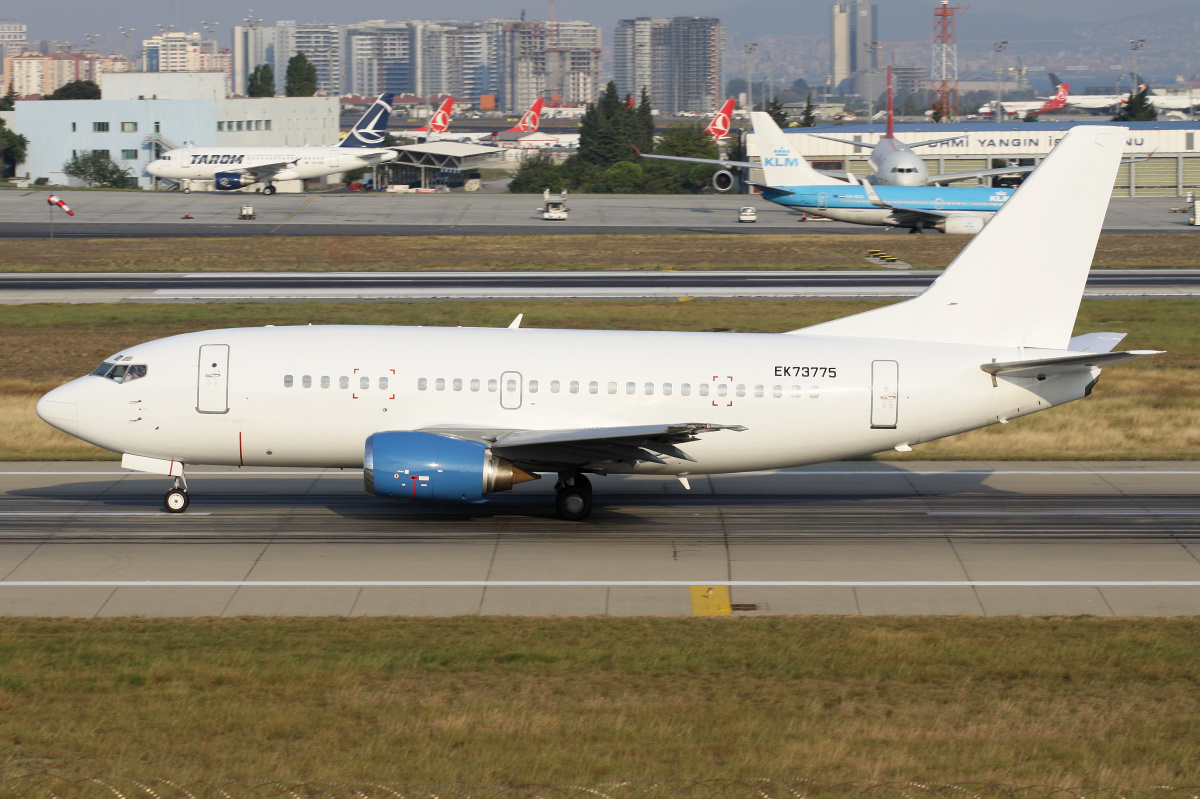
(964, 224)
(409, 465)
(723, 180)
(228, 181)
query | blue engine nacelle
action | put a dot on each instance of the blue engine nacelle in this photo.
(408, 465)
(228, 181)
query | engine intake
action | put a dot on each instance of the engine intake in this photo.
(409, 465)
(963, 225)
(228, 181)
(723, 180)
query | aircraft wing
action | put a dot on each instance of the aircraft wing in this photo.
(590, 447)
(1045, 367)
(261, 171)
(864, 144)
(951, 177)
(711, 161)
(906, 213)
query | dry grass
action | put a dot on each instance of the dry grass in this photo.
(1026, 701)
(1142, 411)
(612, 251)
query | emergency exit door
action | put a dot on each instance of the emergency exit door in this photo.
(885, 393)
(212, 381)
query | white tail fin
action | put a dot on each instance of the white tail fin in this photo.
(782, 165)
(1019, 281)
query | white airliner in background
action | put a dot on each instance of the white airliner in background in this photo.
(232, 168)
(457, 413)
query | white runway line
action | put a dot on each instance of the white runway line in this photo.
(1064, 513)
(71, 514)
(595, 583)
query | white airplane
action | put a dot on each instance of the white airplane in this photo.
(1015, 108)
(457, 413)
(232, 168)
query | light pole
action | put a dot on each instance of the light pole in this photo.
(871, 48)
(750, 48)
(999, 47)
(126, 32)
(1135, 79)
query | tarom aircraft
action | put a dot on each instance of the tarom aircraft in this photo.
(893, 162)
(237, 167)
(719, 127)
(457, 413)
(1015, 108)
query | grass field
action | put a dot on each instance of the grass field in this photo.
(487, 253)
(1027, 701)
(1142, 411)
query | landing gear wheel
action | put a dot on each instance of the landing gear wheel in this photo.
(269, 190)
(573, 503)
(916, 230)
(187, 191)
(176, 500)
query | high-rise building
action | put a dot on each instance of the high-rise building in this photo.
(852, 27)
(679, 61)
(177, 51)
(323, 45)
(557, 61)
(34, 73)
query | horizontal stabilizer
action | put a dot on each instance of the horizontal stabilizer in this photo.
(1095, 342)
(771, 192)
(1046, 367)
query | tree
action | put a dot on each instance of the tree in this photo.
(76, 90)
(776, 112)
(605, 131)
(13, 147)
(643, 124)
(537, 173)
(96, 169)
(9, 101)
(301, 77)
(809, 119)
(1138, 108)
(262, 82)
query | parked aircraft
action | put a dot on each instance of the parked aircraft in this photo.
(458, 413)
(719, 127)
(1019, 108)
(237, 167)
(530, 119)
(1090, 102)
(439, 122)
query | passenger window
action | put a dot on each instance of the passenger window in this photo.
(533, 386)
(493, 385)
(575, 387)
(722, 390)
(814, 391)
(306, 381)
(666, 389)
(704, 389)
(553, 386)
(631, 388)
(475, 384)
(324, 381)
(685, 389)
(593, 387)
(797, 392)
(510, 386)
(422, 384)
(741, 390)
(364, 382)
(758, 391)
(136, 371)
(440, 384)
(287, 381)
(343, 382)
(777, 392)
(383, 383)
(458, 384)
(648, 388)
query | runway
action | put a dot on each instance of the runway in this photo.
(26, 287)
(111, 214)
(87, 539)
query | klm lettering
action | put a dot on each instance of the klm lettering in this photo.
(217, 159)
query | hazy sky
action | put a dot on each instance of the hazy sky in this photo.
(72, 19)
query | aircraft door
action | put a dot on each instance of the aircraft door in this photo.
(885, 394)
(212, 381)
(510, 390)
(822, 199)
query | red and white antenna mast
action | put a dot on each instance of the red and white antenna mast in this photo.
(944, 74)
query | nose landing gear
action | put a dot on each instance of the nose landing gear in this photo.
(177, 499)
(573, 496)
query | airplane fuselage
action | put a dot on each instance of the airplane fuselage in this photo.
(895, 164)
(310, 396)
(204, 163)
(851, 203)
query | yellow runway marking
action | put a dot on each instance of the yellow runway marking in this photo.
(293, 213)
(710, 600)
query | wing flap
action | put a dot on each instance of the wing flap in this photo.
(1042, 368)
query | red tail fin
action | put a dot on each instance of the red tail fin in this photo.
(629, 105)
(530, 120)
(719, 127)
(440, 121)
(891, 124)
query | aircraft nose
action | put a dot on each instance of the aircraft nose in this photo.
(152, 168)
(60, 408)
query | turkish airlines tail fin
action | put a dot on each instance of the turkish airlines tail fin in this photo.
(992, 296)
(782, 165)
(530, 120)
(372, 128)
(440, 121)
(1059, 100)
(719, 127)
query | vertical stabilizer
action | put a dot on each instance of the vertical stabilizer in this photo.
(371, 129)
(1019, 281)
(782, 165)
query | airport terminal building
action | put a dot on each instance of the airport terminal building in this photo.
(1171, 150)
(144, 113)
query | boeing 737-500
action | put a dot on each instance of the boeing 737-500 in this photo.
(454, 414)
(232, 168)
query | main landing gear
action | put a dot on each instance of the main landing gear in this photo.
(177, 499)
(268, 189)
(573, 496)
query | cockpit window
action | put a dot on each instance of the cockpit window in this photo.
(120, 372)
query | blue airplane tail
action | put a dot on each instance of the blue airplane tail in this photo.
(372, 128)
